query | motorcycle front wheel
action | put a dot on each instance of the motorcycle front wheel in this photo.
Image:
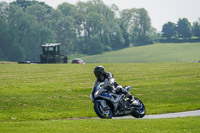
(101, 112)
(139, 110)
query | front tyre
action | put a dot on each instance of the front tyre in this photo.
(105, 113)
(139, 110)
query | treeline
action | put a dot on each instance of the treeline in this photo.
(182, 30)
(86, 28)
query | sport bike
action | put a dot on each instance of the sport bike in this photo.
(108, 104)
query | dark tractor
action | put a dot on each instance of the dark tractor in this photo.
(51, 54)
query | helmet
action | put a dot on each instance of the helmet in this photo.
(98, 71)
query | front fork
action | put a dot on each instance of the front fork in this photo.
(103, 104)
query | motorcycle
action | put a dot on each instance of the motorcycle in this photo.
(108, 104)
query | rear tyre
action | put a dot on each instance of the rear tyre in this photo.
(102, 113)
(139, 110)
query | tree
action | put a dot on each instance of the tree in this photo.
(137, 23)
(66, 33)
(184, 28)
(17, 23)
(27, 34)
(5, 37)
(40, 12)
(169, 30)
(3, 6)
(154, 35)
(16, 52)
(22, 3)
(98, 19)
(117, 37)
(196, 28)
(68, 9)
(93, 45)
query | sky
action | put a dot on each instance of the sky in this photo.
(160, 11)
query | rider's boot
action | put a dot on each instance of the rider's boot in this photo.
(130, 97)
(131, 100)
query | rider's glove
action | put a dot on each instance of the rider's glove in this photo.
(106, 83)
(118, 89)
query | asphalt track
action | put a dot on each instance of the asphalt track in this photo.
(169, 115)
(157, 116)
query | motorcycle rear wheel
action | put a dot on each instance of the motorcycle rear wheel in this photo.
(138, 111)
(102, 113)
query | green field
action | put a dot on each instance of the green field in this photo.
(36, 97)
(162, 52)
(174, 125)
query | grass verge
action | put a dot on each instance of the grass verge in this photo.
(172, 125)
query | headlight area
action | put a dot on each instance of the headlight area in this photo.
(96, 93)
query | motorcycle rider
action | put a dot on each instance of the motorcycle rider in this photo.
(108, 79)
